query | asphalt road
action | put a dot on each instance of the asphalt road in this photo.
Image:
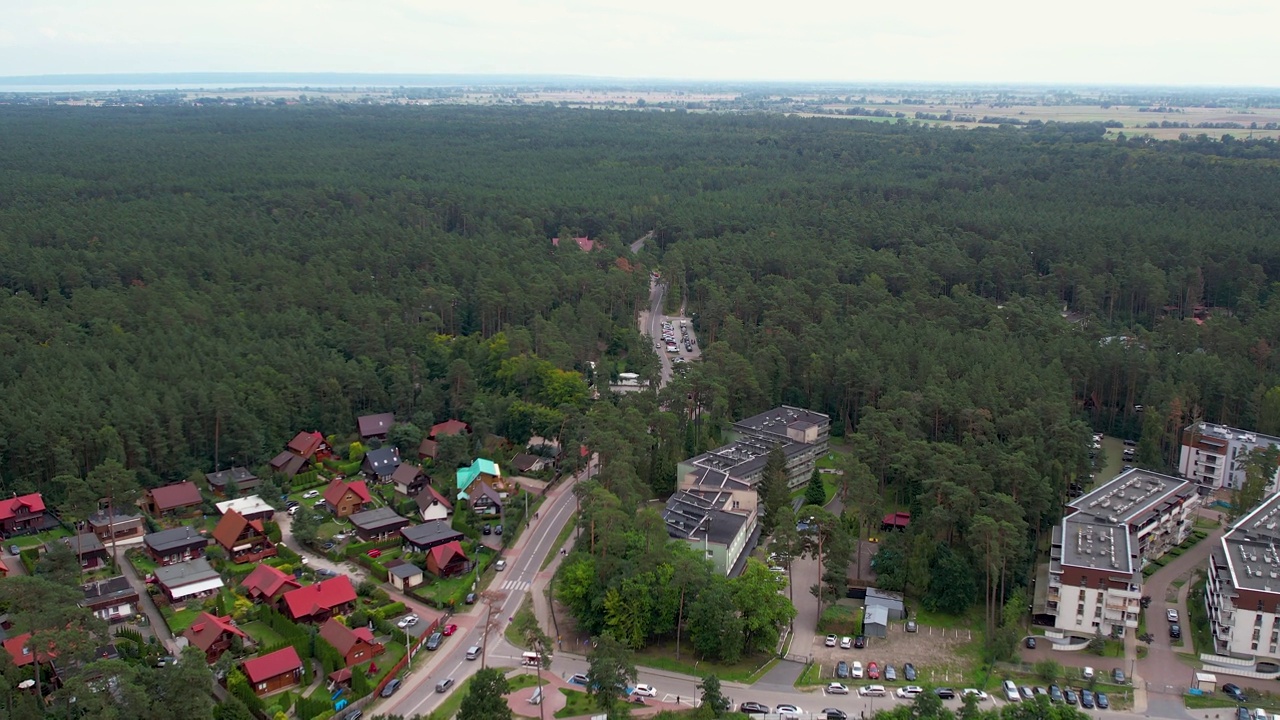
(651, 325)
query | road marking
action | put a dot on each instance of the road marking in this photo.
(515, 585)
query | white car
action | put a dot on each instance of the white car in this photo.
(645, 691)
(837, 689)
(846, 642)
(788, 712)
(310, 494)
(872, 691)
(1171, 615)
(855, 670)
(831, 641)
(974, 692)
(407, 621)
(909, 691)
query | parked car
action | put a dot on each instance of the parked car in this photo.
(908, 692)
(450, 629)
(909, 672)
(645, 691)
(945, 693)
(1069, 695)
(855, 670)
(831, 641)
(310, 494)
(974, 692)
(1087, 673)
(1086, 699)
(834, 714)
(407, 621)
(390, 688)
(433, 642)
(1175, 631)
(842, 670)
(860, 642)
(497, 529)
(329, 546)
(15, 550)
(444, 685)
(471, 599)
(578, 679)
(837, 689)
(1102, 701)
(354, 715)
(1031, 643)
(326, 573)
(873, 671)
(872, 691)
(753, 708)
(487, 529)
(1026, 693)
(890, 674)
(1171, 615)
(1242, 713)
(500, 565)
(846, 642)
(1117, 675)
(291, 504)
(1055, 694)
(1233, 691)
(911, 626)
(788, 712)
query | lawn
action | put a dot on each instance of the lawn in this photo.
(178, 620)
(811, 676)
(141, 562)
(579, 703)
(388, 659)
(522, 681)
(662, 657)
(510, 633)
(262, 634)
(951, 622)
(561, 539)
(26, 541)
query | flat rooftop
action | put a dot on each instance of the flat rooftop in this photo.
(1250, 547)
(697, 516)
(1226, 432)
(1101, 546)
(1130, 495)
(778, 419)
(744, 457)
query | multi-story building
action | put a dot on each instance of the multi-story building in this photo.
(802, 434)
(1094, 578)
(719, 523)
(1213, 456)
(1242, 594)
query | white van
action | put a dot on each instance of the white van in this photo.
(1260, 714)
(531, 659)
(872, 691)
(1011, 691)
(473, 652)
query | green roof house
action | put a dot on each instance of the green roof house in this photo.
(481, 468)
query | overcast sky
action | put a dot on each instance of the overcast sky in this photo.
(1214, 42)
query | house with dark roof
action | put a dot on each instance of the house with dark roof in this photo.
(381, 463)
(174, 546)
(346, 498)
(375, 426)
(447, 560)
(177, 500)
(123, 528)
(113, 599)
(273, 672)
(409, 480)
(214, 635)
(484, 499)
(244, 540)
(403, 574)
(433, 505)
(377, 523)
(88, 548)
(194, 578)
(356, 645)
(526, 463)
(303, 451)
(321, 601)
(421, 538)
(24, 514)
(265, 584)
(288, 464)
(243, 480)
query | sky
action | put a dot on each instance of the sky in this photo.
(1172, 42)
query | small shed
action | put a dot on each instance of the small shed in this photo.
(892, 602)
(876, 621)
(1205, 682)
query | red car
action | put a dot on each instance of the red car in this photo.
(873, 671)
(374, 553)
(450, 629)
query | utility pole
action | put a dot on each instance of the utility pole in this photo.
(491, 598)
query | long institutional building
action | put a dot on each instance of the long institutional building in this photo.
(715, 506)
(1094, 577)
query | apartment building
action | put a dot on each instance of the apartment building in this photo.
(1212, 455)
(1242, 594)
(1094, 576)
(716, 523)
(803, 435)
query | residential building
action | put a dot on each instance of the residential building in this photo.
(266, 584)
(24, 514)
(194, 578)
(421, 538)
(252, 507)
(409, 480)
(321, 601)
(803, 436)
(123, 528)
(303, 451)
(1242, 593)
(895, 521)
(375, 427)
(346, 498)
(585, 244)
(88, 548)
(1094, 577)
(274, 671)
(449, 427)
(381, 463)
(19, 648)
(1213, 456)
(244, 540)
(113, 599)
(432, 505)
(237, 478)
(484, 499)
(356, 645)
(178, 500)
(526, 463)
(177, 545)
(447, 560)
(4, 570)
(403, 575)
(722, 524)
(377, 524)
(479, 469)
(214, 635)
(428, 449)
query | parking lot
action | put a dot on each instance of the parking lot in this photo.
(933, 651)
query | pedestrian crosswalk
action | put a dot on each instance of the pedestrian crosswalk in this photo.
(515, 585)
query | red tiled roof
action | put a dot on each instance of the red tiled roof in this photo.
(584, 244)
(337, 488)
(320, 597)
(446, 552)
(206, 630)
(897, 519)
(268, 581)
(305, 444)
(449, 427)
(342, 637)
(175, 496)
(261, 669)
(231, 525)
(15, 647)
(9, 506)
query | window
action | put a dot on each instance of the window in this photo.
(1257, 621)
(262, 686)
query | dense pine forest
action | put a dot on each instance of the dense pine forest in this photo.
(188, 287)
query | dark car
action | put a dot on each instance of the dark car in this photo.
(1055, 694)
(1069, 695)
(497, 530)
(909, 672)
(834, 714)
(390, 688)
(354, 715)
(860, 642)
(842, 669)
(1117, 675)
(753, 708)
(487, 530)
(1031, 643)
(326, 573)
(1175, 631)
(1102, 701)
(433, 642)
(945, 693)
(1086, 699)
(1242, 713)
(1233, 691)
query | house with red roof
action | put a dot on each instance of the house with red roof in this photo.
(303, 451)
(895, 521)
(447, 560)
(321, 601)
(23, 514)
(178, 500)
(346, 498)
(19, 649)
(244, 540)
(357, 646)
(375, 427)
(4, 570)
(266, 584)
(585, 244)
(273, 671)
(431, 445)
(214, 635)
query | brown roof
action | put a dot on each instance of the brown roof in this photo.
(177, 495)
(206, 630)
(525, 461)
(448, 427)
(406, 474)
(371, 425)
(342, 637)
(432, 495)
(338, 488)
(305, 443)
(230, 527)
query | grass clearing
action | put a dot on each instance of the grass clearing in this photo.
(579, 703)
(811, 677)
(178, 620)
(509, 632)
(262, 633)
(951, 622)
(522, 681)
(561, 539)
(661, 656)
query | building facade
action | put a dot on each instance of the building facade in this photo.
(1242, 594)
(1213, 456)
